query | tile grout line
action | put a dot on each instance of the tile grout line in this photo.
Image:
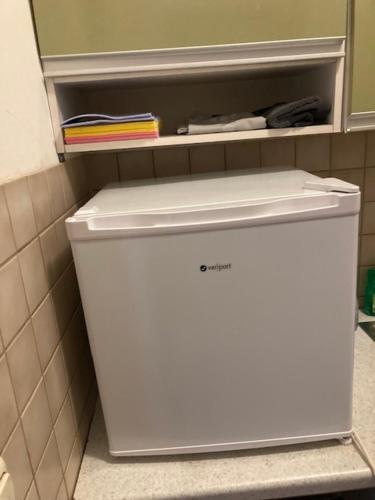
(11, 225)
(30, 314)
(38, 234)
(29, 488)
(20, 422)
(60, 342)
(66, 398)
(18, 419)
(14, 339)
(52, 433)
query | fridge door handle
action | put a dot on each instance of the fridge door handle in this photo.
(209, 218)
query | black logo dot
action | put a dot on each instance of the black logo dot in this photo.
(203, 269)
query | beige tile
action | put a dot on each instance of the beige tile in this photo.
(67, 176)
(21, 211)
(136, 165)
(8, 407)
(93, 394)
(87, 416)
(65, 430)
(323, 173)
(51, 254)
(348, 150)
(64, 249)
(313, 152)
(41, 200)
(209, 158)
(18, 465)
(70, 213)
(362, 278)
(33, 274)
(278, 152)
(32, 493)
(37, 424)
(78, 398)
(81, 385)
(369, 191)
(49, 474)
(74, 411)
(7, 244)
(56, 381)
(353, 175)
(73, 342)
(76, 174)
(72, 470)
(370, 149)
(46, 332)
(84, 428)
(65, 296)
(62, 494)
(56, 190)
(368, 222)
(171, 161)
(100, 169)
(242, 155)
(13, 306)
(367, 257)
(80, 180)
(24, 365)
(73, 179)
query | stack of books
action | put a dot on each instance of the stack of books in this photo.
(99, 128)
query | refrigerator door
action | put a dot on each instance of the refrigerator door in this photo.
(201, 191)
(92, 225)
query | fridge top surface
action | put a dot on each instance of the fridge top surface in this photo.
(209, 202)
(199, 191)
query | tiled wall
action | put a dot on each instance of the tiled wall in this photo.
(350, 157)
(47, 387)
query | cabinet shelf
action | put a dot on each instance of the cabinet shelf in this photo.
(186, 140)
(179, 83)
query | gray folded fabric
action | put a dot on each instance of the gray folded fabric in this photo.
(308, 111)
(223, 123)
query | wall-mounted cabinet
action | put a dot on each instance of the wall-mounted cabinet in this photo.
(178, 83)
(177, 59)
(361, 96)
(95, 26)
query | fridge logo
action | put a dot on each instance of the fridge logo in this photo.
(216, 267)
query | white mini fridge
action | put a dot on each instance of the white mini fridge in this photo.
(220, 309)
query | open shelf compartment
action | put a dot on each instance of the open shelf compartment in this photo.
(176, 94)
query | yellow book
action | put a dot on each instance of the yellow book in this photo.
(111, 128)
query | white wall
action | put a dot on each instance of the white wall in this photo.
(26, 139)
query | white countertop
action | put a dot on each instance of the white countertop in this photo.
(254, 474)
